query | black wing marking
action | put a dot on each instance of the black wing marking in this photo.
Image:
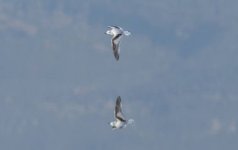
(117, 37)
(116, 27)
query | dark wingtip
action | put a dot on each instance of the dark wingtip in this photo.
(118, 98)
(117, 57)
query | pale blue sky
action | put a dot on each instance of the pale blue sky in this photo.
(177, 75)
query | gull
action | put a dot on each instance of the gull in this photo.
(116, 32)
(120, 121)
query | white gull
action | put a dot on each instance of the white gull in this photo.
(116, 32)
(120, 121)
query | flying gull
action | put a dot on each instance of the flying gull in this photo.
(120, 121)
(116, 32)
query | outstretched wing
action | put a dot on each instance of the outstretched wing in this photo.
(118, 111)
(114, 27)
(115, 48)
(115, 45)
(118, 105)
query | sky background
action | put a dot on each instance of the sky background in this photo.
(177, 74)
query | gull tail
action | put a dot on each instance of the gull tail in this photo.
(131, 122)
(127, 33)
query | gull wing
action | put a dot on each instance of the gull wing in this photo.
(115, 48)
(115, 45)
(118, 111)
(114, 27)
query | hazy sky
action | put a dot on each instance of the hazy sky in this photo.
(177, 74)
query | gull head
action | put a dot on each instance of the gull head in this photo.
(109, 32)
(112, 124)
